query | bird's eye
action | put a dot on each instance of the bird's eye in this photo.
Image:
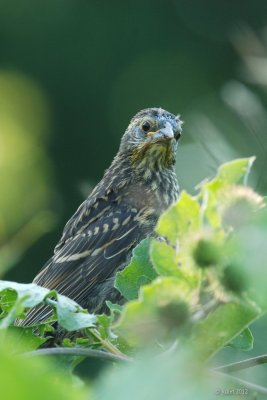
(177, 135)
(146, 126)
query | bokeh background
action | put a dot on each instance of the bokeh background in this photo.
(72, 74)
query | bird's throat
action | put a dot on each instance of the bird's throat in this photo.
(154, 156)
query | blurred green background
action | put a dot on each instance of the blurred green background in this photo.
(73, 73)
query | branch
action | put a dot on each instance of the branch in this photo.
(248, 385)
(74, 351)
(250, 362)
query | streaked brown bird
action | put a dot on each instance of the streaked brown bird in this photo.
(122, 210)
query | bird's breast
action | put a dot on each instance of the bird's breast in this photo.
(152, 192)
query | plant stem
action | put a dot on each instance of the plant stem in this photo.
(74, 351)
(206, 308)
(106, 344)
(237, 366)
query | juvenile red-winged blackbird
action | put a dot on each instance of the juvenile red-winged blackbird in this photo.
(121, 211)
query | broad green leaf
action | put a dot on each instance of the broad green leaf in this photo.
(244, 341)
(31, 293)
(104, 326)
(180, 219)
(7, 299)
(211, 209)
(163, 258)
(138, 273)
(173, 376)
(70, 315)
(168, 263)
(251, 256)
(25, 338)
(231, 173)
(13, 313)
(162, 306)
(245, 272)
(221, 326)
(31, 379)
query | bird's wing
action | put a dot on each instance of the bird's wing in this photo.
(89, 257)
(88, 212)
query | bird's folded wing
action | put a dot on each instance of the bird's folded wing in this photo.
(88, 258)
(89, 211)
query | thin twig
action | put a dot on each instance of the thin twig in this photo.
(205, 310)
(237, 366)
(74, 351)
(246, 384)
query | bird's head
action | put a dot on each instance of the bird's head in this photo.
(151, 138)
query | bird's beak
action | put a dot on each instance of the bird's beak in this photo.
(166, 132)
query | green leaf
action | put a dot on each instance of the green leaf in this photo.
(7, 299)
(31, 293)
(163, 258)
(32, 378)
(244, 341)
(180, 219)
(231, 173)
(114, 308)
(70, 315)
(13, 313)
(138, 273)
(244, 271)
(169, 263)
(104, 326)
(145, 319)
(173, 376)
(221, 326)
(26, 338)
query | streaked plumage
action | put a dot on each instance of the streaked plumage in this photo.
(121, 211)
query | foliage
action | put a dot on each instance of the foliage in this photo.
(192, 290)
(139, 272)
(23, 378)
